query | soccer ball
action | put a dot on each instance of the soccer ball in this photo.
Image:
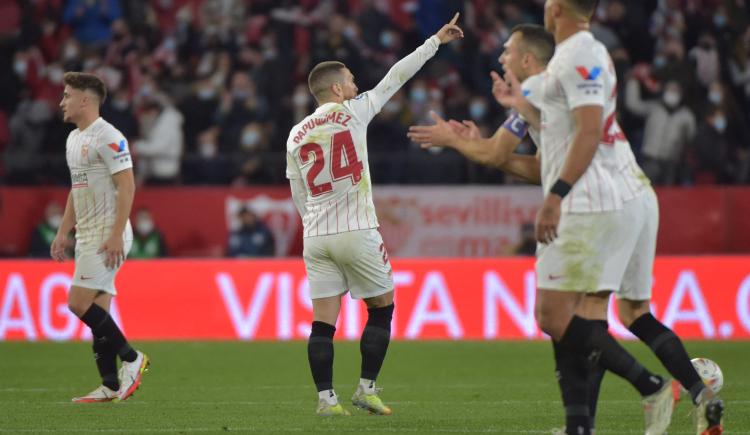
(710, 372)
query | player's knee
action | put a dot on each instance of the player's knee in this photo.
(629, 311)
(549, 323)
(77, 307)
(380, 316)
(381, 301)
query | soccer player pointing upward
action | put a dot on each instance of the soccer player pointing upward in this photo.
(343, 250)
(98, 206)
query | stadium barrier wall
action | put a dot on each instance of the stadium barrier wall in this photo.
(465, 221)
(482, 299)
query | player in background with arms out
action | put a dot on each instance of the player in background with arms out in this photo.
(343, 250)
(98, 207)
(525, 58)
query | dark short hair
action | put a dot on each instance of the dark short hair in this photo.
(585, 7)
(537, 40)
(85, 81)
(322, 76)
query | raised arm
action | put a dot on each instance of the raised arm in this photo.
(368, 104)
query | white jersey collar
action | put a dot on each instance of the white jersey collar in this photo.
(569, 40)
(96, 121)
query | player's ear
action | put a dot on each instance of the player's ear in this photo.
(337, 89)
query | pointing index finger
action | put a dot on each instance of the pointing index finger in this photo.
(455, 19)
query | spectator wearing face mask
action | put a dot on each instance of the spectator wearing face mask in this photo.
(148, 241)
(251, 168)
(252, 238)
(118, 110)
(45, 232)
(670, 126)
(714, 153)
(208, 166)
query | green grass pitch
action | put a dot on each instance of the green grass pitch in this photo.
(433, 387)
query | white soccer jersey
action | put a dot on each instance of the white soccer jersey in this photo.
(579, 74)
(328, 152)
(629, 177)
(532, 89)
(93, 155)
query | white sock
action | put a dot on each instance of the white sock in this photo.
(368, 385)
(329, 396)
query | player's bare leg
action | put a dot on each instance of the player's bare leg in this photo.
(559, 315)
(320, 354)
(373, 346)
(91, 306)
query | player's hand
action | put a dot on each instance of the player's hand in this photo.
(439, 135)
(465, 129)
(547, 219)
(507, 91)
(450, 31)
(114, 252)
(57, 249)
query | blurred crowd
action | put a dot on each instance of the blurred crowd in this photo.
(207, 90)
(251, 237)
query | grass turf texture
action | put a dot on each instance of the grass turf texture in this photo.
(433, 387)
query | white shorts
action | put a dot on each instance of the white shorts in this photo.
(91, 272)
(641, 216)
(356, 261)
(603, 251)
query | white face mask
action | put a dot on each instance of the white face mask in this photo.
(672, 99)
(720, 124)
(392, 107)
(715, 97)
(206, 93)
(300, 99)
(477, 110)
(54, 221)
(207, 150)
(55, 75)
(144, 226)
(250, 139)
(20, 67)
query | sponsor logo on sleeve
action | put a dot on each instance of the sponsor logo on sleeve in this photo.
(590, 85)
(121, 153)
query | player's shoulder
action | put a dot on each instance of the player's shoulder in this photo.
(533, 83)
(107, 132)
(291, 143)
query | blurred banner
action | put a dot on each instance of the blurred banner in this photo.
(466, 221)
(700, 297)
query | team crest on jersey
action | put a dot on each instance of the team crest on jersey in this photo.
(118, 148)
(587, 74)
